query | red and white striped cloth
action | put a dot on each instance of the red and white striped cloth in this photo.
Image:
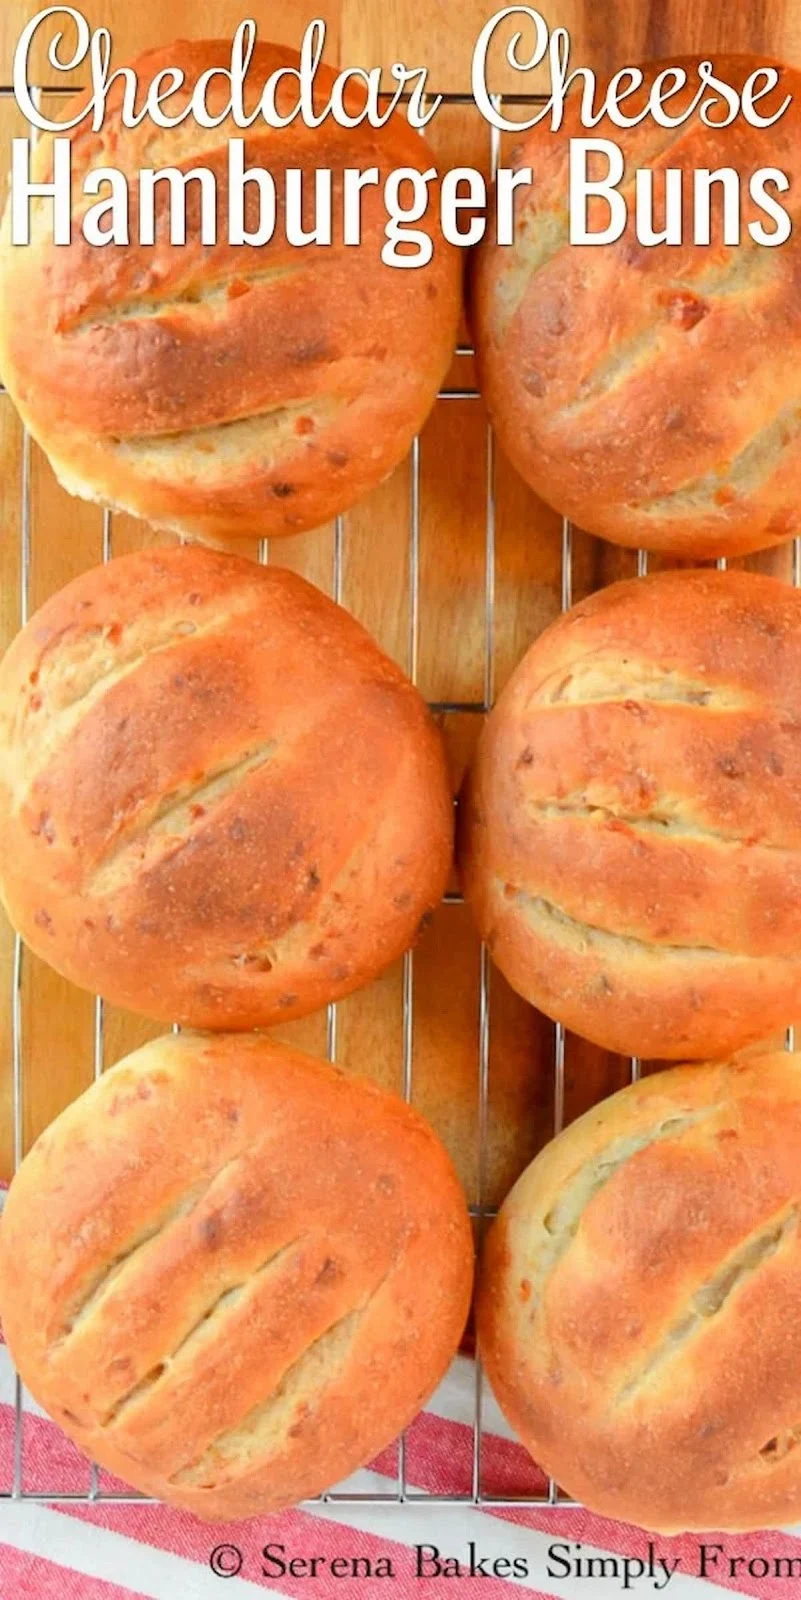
(107, 1551)
(122, 1552)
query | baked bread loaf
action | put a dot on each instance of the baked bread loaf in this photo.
(639, 1298)
(631, 827)
(220, 803)
(649, 392)
(227, 391)
(216, 1272)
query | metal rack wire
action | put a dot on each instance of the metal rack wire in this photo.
(402, 1491)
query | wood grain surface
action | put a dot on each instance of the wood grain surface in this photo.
(455, 655)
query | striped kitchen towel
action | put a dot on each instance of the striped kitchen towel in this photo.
(78, 1550)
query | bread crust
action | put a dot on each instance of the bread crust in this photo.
(232, 1273)
(649, 393)
(638, 1307)
(233, 391)
(629, 834)
(220, 802)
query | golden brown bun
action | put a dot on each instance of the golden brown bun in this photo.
(631, 829)
(639, 1310)
(233, 1274)
(227, 391)
(220, 803)
(650, 393)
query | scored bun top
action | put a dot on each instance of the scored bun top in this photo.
(630, 834)
(220, 802)
(233, 1274)
(640, 1299)
(227, 391)
(649, 392)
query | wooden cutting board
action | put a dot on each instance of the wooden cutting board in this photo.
(459, 650)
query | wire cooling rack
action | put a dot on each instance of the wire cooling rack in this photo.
(403, 1492)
